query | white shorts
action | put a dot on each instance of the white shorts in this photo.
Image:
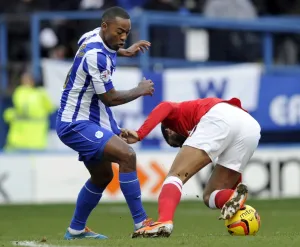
(228, 134)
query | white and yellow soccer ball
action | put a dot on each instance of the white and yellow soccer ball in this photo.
(245, 222)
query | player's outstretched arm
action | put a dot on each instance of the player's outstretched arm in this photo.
(158, 114)
(97, 65)
(140, 46)
(114, 97)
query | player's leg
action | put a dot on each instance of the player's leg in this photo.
(237, 157)
(97, 146)
(118, 151)
(188, 161)
(223, 184)
(232, 162)
(89, 140)
(88, 198)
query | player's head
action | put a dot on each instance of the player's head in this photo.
(115, 27)
(172, 138)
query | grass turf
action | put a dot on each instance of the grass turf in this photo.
(195, 225)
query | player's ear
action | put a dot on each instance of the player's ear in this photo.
(165, 134)
(103, 26)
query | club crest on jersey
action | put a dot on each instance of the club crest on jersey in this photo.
(105, 75)
(99, 134)
(81, 51)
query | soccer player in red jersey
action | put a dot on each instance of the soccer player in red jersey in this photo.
(207, 130)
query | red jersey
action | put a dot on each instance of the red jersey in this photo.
(181, 117)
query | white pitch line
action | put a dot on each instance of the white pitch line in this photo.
(36, 244)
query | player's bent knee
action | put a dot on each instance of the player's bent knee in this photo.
(130, 156)
(128, 161)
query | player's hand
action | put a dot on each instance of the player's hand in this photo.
(140, 46)
(124, 134)
(132, 137)
(146, 87)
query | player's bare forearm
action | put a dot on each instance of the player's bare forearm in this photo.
(115, 98)
(140, 46)
(125, 96)
(121, 52)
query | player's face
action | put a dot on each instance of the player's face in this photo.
(174, 139)
(116, 32)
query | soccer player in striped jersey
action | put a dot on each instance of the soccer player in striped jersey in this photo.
(207, 130)
(86, 123)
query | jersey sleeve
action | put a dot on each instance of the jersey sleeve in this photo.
(97, 65)
(159, 113)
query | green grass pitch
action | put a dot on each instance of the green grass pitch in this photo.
(195, 225)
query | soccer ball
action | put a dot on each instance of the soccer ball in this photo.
(245, 222)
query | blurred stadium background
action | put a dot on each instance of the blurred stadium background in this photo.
(200, 48)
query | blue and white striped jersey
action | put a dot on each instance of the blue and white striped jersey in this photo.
(89, 75)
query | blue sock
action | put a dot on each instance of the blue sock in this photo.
(131, 189)
(87, 200)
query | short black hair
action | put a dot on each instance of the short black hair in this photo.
(179, 138)
(113, 12)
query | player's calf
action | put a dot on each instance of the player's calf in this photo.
(217, 198)
(116, 150)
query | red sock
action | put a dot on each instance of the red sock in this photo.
(169, 198)
(218, 198)
(222, 196)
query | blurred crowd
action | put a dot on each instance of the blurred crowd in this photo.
(58, 38)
